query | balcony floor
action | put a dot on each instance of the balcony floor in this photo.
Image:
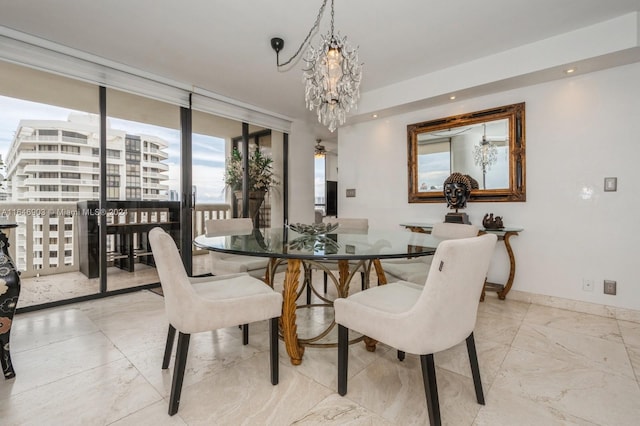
(55, 287)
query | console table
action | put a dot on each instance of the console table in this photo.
(9, 292)
(504, 235)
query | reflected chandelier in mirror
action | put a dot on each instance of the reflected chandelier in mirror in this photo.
(487, 145)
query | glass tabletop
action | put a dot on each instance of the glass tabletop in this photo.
(337, 245)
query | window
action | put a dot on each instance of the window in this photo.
(113, 153)
(49, 188)
(113, 181)
(95, 152)
(70, 149)
(73, 137)
(70, 175)
(48, 175)
(70, 188)
(132, 143)
(47, 135)
(132, 157)
(48, 162)
(71, 163)
(49, 148)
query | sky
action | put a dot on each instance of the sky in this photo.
(208, 152)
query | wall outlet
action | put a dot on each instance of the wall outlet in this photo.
(351, 192)
(587, 284)
(610, 287)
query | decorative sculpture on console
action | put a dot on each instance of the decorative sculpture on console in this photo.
(489, 222)
(457, 190)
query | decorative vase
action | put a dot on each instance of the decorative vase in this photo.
(9, 292)
(256, 198)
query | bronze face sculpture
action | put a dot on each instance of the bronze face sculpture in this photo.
(457, 189)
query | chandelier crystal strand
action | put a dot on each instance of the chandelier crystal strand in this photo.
(485, 154)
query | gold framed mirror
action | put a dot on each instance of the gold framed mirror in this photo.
(488, 146)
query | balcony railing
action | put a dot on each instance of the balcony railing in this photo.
(39, 223)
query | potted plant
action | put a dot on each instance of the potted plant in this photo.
(261, 177)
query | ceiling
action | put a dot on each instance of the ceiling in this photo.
(224, 46)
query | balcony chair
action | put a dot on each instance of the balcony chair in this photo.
(206, 304)
(424, 319)
(415, 270)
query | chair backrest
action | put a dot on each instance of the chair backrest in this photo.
(349, 223)
(447, 307)
(179, 295)
(238, 226)
(448, 231)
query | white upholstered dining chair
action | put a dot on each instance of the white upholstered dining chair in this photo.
(415, 269)
(210, 303)
(347, 224)
(224, 263)
(424, 319)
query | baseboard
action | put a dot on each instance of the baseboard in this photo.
(576, 305)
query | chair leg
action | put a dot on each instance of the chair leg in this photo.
(171, 334)
(343, 358)
(307, 279)
(362, 282)
(475, 368)
(273, 350)
(245, 334)
(178, 372)
(325, 281)
(401, 355)
(431, 389)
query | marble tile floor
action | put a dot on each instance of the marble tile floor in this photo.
(98, 363)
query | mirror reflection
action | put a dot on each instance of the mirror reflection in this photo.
(487, 146)
(480, 151)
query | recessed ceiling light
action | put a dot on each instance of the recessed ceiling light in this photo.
(452, 97)
(375, 116)
(570, 70)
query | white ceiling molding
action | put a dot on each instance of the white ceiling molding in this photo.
(34, 52)
(607, 44)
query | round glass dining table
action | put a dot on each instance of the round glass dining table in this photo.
(351, 250)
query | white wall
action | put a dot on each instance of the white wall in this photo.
(301, 183)
(578, 131)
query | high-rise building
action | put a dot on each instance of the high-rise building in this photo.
(57, 161)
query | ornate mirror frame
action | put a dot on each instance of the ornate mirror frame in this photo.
(516, 134)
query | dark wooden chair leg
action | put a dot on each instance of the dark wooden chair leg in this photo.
(245, 334)
(307, 279)
(178, 372)
(362, 283)
(475, 368)
(325, 282)
(401, 355)
(431, 389)
(171, 334)
(343, 358)
(273, 350)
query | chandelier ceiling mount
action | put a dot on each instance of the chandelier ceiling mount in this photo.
(332, 73)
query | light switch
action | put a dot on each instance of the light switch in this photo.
(351, 192)
(610, 184)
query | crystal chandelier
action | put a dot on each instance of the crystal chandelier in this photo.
(332, 74)
(485, 154)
